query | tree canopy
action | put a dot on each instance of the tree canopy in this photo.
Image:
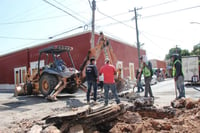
(184, 52)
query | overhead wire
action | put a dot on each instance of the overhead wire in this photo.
(65, 32)
(153, 42)
(111, 17)
(114, 23)
(21, 38)
(170, 12)
(114, 19)
(17, 47)
(31, 20)
(160, 4)
(64, 11)
(69, 9)
(19, 14)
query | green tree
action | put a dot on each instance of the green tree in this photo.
(196, 50)
(177, 51)
(173, 51)
(185, 52)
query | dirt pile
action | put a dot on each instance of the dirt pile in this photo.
(185, 117)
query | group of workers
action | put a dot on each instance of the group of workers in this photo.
(108, 72)
(177, 73)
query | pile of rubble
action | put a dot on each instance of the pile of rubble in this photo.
(137, 117)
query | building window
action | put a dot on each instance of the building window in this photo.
(131, 71)
(34, 66)
(119, 65)
(20, 75)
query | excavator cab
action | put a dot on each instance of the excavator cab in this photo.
(51, 74)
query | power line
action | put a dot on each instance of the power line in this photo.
(21, 38)
(169, 39)
(65, 32)
(18, 15)
(69, 9)
(114, 19)
(31, 20)
(164, 3)
(64, 11)
(153, 42)
(114, 23)
(170, 12)
(112, 16)
(18, 47)
(90, 4)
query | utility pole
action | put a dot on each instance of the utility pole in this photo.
(93, 22)
(137, 35)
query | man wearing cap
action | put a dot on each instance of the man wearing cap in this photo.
(177, 73)
(109, 71)
(91, 78)
(147, 72)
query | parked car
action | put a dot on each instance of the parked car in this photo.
(153, 81)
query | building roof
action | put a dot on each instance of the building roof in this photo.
(66, 37)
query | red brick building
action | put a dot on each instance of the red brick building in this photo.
(15, 65)
(158, 64)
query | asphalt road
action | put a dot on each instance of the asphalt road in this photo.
(15, 109)
(164, 92)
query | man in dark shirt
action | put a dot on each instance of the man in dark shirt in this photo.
(91, 78)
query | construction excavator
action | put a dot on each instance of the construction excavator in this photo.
(50, 76)
(103, 46)
(55, 77)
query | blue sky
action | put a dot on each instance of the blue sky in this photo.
(163, 24)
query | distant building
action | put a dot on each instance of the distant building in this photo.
(160, 69)
(14, 65)
(158, 64)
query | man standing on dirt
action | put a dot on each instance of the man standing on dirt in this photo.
(91, 78)
(109, 71)
(147, 72)
(177, 73)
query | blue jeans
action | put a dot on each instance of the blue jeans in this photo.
(139, 86)
(114, 92)
(90, 84)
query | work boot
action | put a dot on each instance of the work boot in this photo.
(105, 104)
(118, 101)
(95, 103)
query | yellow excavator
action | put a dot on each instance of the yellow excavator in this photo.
(54, 78)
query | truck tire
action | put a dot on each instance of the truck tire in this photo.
(47, 84)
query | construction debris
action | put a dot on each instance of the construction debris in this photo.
(120, 118)
(135, 114)
(187, 103)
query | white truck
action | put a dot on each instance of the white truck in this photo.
(190, 67)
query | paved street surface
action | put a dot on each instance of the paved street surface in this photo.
(164, 92)
(14, 109)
